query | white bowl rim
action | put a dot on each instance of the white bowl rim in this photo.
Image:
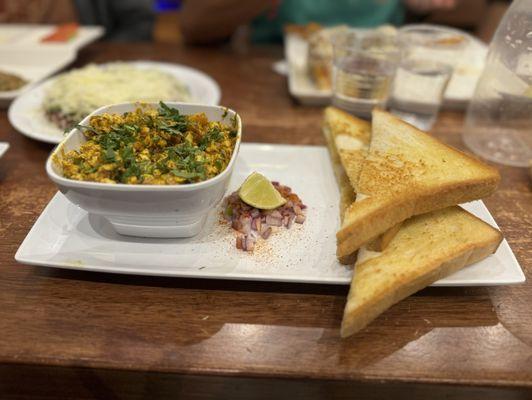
(60, 180)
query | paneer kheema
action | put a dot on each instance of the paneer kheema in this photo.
(151, 146)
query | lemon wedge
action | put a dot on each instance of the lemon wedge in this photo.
(257, 191)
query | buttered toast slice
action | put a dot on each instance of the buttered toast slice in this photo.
(408, 172)
(347, 193)
(351, 136)
(348, 140)
(428, 247)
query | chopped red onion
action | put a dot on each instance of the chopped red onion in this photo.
(290, 222)
(276, 214)
(300, 218)
(246, 224)
(252, 222)
(250, 243)
(267, 232)
(272, 221)
(236, 225)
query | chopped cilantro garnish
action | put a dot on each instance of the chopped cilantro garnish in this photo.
(109, 155)
(213, 135)
(86, 129)
(186, 174)
(151, 146)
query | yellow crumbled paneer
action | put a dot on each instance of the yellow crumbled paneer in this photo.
(151, 146)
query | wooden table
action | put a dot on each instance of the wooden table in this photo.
(90, 335)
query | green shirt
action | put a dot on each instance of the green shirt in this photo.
(358, 13)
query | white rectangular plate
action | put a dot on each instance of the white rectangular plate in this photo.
(23, 53)
(16, 35)
(31, 64)
(65, 236)
(460, 89)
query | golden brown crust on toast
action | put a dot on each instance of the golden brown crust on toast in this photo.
(384, 240)
(372, 217)
(427, 248)
(407, 172)
(351, 137)
(321, 75)
(347, 194)
(337, 123)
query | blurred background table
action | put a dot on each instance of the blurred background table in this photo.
(88, 335)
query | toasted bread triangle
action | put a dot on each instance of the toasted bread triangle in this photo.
(347, 193)
(348, 139)
(351, 137)
(408, 172)
(428, 247)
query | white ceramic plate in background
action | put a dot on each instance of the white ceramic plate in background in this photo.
(17, 35)
(27, 115)
(459, 91)
(65, 236)
(31, 64)
(23, 53)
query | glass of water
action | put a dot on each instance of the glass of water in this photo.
(418, 90)
(363, 69)
(424, 71)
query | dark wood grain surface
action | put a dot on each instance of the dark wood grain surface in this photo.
(127, 326)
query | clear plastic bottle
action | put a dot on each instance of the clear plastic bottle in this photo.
(498, 124)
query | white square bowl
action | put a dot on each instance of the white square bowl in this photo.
(164, 211)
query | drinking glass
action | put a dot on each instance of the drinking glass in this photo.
(424, 71)
(364, 65)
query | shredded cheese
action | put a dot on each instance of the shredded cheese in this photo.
(78, 93)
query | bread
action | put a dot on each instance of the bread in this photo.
(384, 240)
(351, 137)
(420, 250)
(347, 194)
(428, 247)
(348, 140)
(408, 172)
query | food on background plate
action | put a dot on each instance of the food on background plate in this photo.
(75, 94)
(304, 30)
(150, 146)
(452, 40)
(10, 81)
(62, 33)
(320, 55)
(424, 248)
(320, 50)
(259, 207)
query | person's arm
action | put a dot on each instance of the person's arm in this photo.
(208, 21)
(426, 6)
(466, 15)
